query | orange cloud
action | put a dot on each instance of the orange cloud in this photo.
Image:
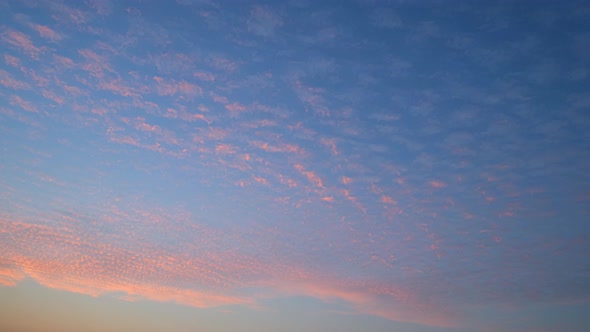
(276, 148)
(89, 266)
(225, 149)
(387, 200)
(399, 305)
(70, 256)
(437, 184)
(260, 180)
(311, 176)
(331, 143)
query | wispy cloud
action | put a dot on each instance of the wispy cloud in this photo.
(21, 41)
(10, 82)
(263, 21)
(47, 33)
(24, 104)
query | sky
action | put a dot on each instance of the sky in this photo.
(217, 166)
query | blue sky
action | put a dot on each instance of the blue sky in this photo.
(262, 166)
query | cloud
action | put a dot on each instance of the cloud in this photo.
(99, 261)
(11, 60)
(437, 184)
(171, 87)
(52, 96)
(22, 42)
(24, 104)
(63, 61)
(102, 7)
(47, 33)
(204, 76)
(64, 13)
(311, 176)
(225, 149)
(96, 65)
(10, 82)
(367, 298)
(263, 21)
(280, 147)
(387, 200)
(235, 107)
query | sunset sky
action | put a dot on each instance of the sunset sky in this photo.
(329, 166)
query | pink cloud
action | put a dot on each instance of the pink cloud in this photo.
(74, 90)
(142, 126)
(77, 276)
(26, 105)
(11, 60)
(437, 184)
(260, 180)
(171, 87)
(95, 64)
(8, 81)
(311, 176)
(225, 149)
(279, 147)
(10, 275)
(331, 143)
(99, 111)
(188, 88)
(120, 88)
(21, 41)
(41, 80)
(204, 76)
(182, 114)
(219, 99)
(387, 200)
(47, 33)
(224, 64)
(235, 107)
(63, 61)
(52, 96)
(125, 140)
(65, 13)
(93, 263)
(287, 181)
(373, 299)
